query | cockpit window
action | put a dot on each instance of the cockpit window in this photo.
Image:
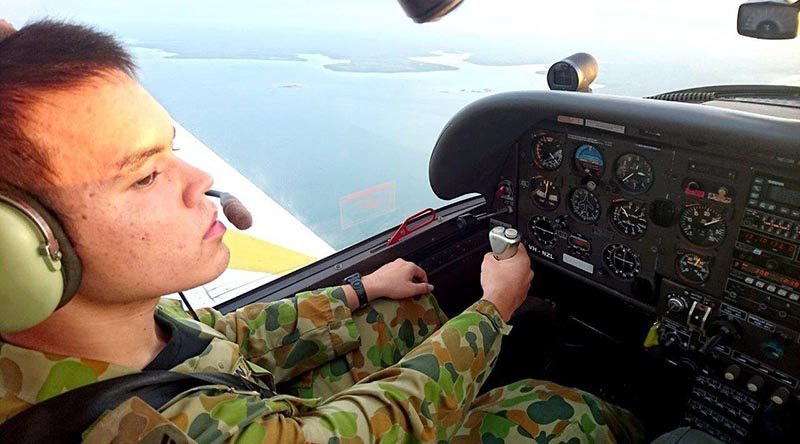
(331, 109)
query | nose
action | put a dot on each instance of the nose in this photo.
(197, 182)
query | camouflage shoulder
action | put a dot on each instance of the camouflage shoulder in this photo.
(172, 308)
(134, 421)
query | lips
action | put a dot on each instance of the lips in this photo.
(216, 228)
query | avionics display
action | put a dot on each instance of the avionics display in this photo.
(784, 196)
(765, 243)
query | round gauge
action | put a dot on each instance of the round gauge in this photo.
(634, 173)
(545, 194)
(628, 218)
(547, 151)
(543, 231)
(693, 268)
(589, 160)
(702, 225)
(622, 261)
(584, 205)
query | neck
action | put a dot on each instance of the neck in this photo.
(124, 334)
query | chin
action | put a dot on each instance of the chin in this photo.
(204, 271)
(217, 265)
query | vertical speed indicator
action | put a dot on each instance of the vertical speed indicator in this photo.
(628, 218)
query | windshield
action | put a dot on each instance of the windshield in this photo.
(332, 108)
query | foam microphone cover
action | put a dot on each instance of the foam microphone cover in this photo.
(235, 211)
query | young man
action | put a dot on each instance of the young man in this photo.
(82, 136)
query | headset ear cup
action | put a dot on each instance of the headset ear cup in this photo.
(71, 268)
(70, 263)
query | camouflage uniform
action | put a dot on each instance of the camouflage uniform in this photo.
(394, 371)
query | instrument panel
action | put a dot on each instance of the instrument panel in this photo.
(586, 199)
(689, 213)
(627, 213)
(711, 243)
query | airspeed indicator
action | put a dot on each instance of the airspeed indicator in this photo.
(547, 151)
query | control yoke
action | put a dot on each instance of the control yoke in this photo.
(504, 242)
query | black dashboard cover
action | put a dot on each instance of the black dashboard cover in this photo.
(475, 143)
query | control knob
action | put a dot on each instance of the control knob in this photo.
(755, 383)
(732, 372)
(676, 303)
(772, 349)
(780, 396)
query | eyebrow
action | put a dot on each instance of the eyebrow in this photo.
(133, 161)
(136, 160)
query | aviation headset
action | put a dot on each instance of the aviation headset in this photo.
(39, 269)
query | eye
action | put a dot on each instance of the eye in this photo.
(147, 181)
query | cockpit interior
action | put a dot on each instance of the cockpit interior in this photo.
(665, 240)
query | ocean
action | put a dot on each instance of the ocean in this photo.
(343, 143)
(345, 152)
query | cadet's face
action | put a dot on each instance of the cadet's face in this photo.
(136, 213)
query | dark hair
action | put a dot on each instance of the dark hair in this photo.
(41, 57)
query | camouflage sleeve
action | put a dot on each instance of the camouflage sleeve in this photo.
(425, 396)
(290, 336)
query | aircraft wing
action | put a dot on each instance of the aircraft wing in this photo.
(277, 243)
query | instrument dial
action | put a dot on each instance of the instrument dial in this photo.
(634, 173)
(584, 205)
(702, 225)
(621, 261)
(545, 194)
(628, 218)
(693, 268)
(547, 151)
(590, 161)
(543, 231)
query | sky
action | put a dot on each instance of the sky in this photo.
(618, 18)
(680, 32)
(653, 21)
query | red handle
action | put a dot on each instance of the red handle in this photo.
(412, 224)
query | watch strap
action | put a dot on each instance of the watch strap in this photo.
(354, 280)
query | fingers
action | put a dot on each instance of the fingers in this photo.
(422, 288)
(418, 273)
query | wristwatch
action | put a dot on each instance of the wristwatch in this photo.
(354, 280)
